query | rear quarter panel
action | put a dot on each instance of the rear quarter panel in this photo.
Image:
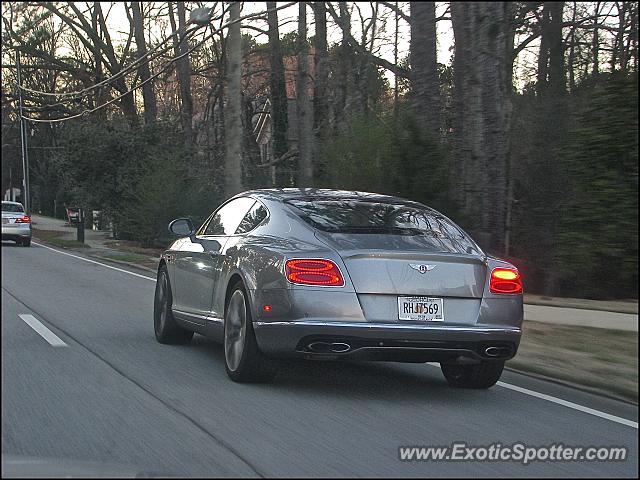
(258, 257)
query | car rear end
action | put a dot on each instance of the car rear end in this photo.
(16, 225)
(398, 282)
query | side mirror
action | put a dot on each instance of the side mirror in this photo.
(182, 227)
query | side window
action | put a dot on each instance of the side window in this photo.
(227, 219)
(253, 218)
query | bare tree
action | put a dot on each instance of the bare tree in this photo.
(320, 98)
(305, 115)
(277, 90)
(183, 70)
(595, 43)
(425, 86)
(233, 114)
(149, 98)
(92, 35)
(483, 108)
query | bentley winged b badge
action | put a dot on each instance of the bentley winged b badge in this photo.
(422, 268)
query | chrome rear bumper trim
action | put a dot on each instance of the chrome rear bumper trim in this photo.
(407, 326)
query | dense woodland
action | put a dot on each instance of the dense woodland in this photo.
(527, 136)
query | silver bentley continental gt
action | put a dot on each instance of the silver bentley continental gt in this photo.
(338, 275)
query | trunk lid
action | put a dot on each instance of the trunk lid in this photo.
(419, 265)
(10, 217)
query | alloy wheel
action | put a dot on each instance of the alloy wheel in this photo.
(235, 330)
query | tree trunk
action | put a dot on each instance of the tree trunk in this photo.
(344, 70)
(572, 46)
(305, 115)
(631, 50)
(595, 45)
(556, 49)
(97, 59)
(396, 91)
(278, 92)
(183, 71)
(548, 132)
(425, 85)
(483, 105)
(543, 54)
(320, 97)
(232, 114)
(149, 99)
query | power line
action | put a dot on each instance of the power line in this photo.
(165, 68)
(123, 72)
(134, 64)
(115, 99)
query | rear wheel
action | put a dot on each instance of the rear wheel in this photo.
(243, 360)
(164, 324)
(482, 375)
(26, 242)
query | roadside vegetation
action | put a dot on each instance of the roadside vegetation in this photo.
(53, 237)
(599, 359)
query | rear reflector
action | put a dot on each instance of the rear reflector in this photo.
(24, 219)
(505, 280)
(314, 271)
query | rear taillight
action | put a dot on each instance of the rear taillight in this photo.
(314, 271)
(505, 280)
(23, 219)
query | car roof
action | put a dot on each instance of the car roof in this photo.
(8, 202)
(284, 194)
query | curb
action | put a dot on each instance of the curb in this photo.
(99, 257)
(122, 262)
(542, 303)
(577, 386)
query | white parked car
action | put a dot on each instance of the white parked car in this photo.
(16, 224)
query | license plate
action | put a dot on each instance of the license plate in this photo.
(420, 309)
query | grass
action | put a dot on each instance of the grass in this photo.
(143, 260)
(621, 306)
(64, 243)
(134, 247)
(127, 257)
(601, 359)
(53, 237)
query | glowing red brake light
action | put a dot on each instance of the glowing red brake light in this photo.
(23, 219)
(505, 280)
(314, 271)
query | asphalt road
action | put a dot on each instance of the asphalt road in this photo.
(106, 398)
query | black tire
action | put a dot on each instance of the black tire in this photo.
(26, 242)
(164, 324)
(482, 375)
(251, 365)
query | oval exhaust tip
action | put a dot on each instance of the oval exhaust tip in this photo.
(319, 347)
(339, 347)
(493, 351)
(326, 347)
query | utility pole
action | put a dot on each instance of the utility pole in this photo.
(23, 138)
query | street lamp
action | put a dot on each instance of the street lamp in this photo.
(201, 16)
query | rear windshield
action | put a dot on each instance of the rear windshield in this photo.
(358, 216)
(12, 207)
